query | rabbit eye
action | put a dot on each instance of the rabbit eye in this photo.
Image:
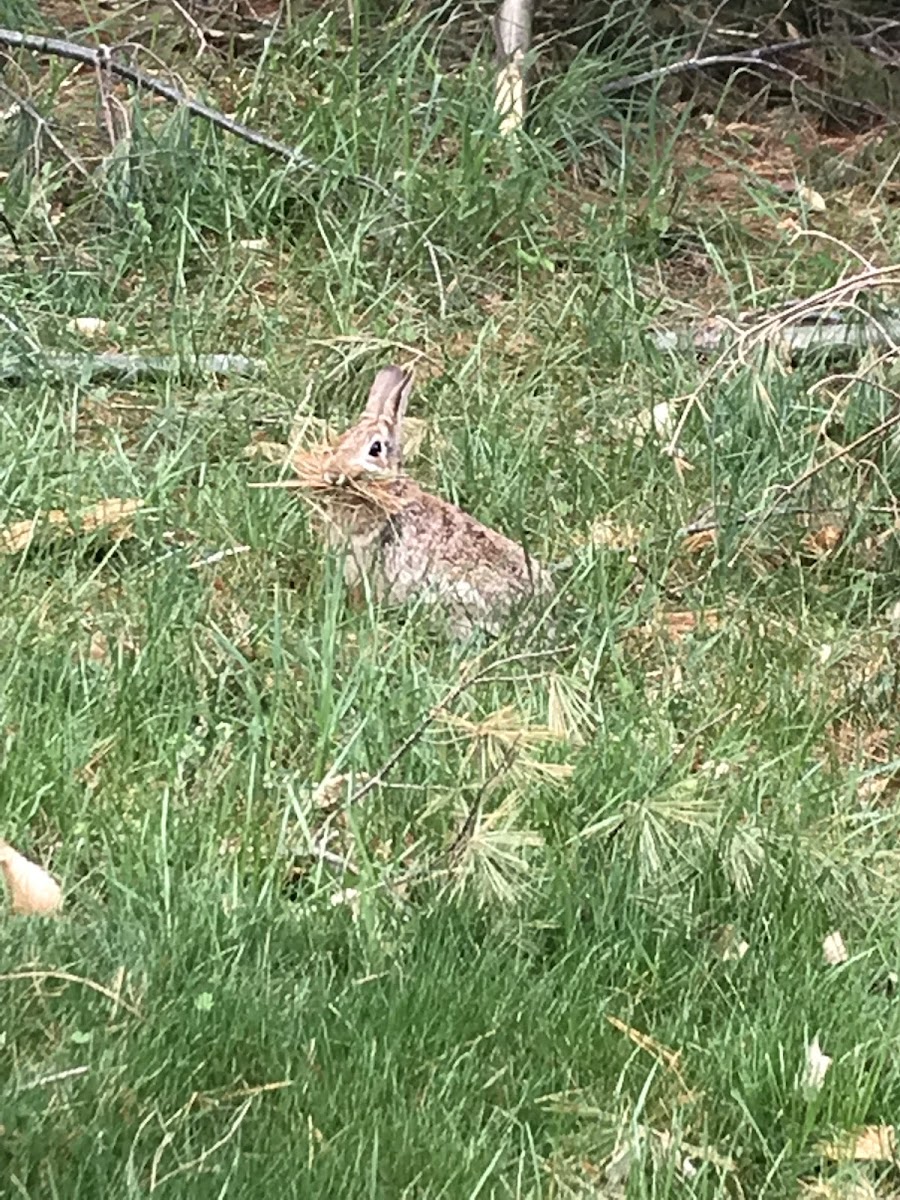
(375, 449)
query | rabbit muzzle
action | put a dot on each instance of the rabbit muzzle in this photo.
(334, 477)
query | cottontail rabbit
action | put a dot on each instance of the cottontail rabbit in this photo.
(408, 543)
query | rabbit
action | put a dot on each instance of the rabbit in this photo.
(413, 545)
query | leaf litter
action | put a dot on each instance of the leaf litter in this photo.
(114, 515)
(871, 1143)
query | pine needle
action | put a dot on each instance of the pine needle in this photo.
(500, 741)
(494, 860)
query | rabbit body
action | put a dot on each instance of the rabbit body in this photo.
(418, 546)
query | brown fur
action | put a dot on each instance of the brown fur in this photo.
(407, 543)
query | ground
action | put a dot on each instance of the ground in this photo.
(579, 939)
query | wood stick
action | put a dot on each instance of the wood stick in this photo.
(822, 332)
(127, 366)
(512, 32)
(759, 56)
(101, 58)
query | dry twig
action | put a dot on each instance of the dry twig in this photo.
(759, 56)
(842, 293)
(42, 128)
(67, 977)
(101, 58)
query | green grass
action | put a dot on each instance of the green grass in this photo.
(165, 724)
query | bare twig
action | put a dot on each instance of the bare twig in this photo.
(101, 58)
(199, 34)
(842, 293)
(760, 56)
(43, 127)
(670, 1059)
(67, 977)
(195, 1163)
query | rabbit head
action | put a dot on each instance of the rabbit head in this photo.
(374, 445)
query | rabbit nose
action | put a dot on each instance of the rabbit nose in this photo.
(332, 476)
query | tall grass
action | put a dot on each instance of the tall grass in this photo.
(564, 845)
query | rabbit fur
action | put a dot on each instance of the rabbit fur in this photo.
(418, 546)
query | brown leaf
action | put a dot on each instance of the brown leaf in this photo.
(17, 536)
(32, 891)
(823, 541)
(332, 789)
(702, 540)
(114, 514)
(871, 1143)
(680, 623)
(98, 650)
(491, 302)
(107, 514)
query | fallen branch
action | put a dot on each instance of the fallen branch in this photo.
(761, 56)
(101, 59)
(127, 366)
(817, 330)
(844, 293)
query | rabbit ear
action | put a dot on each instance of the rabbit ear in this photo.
(389, 394)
